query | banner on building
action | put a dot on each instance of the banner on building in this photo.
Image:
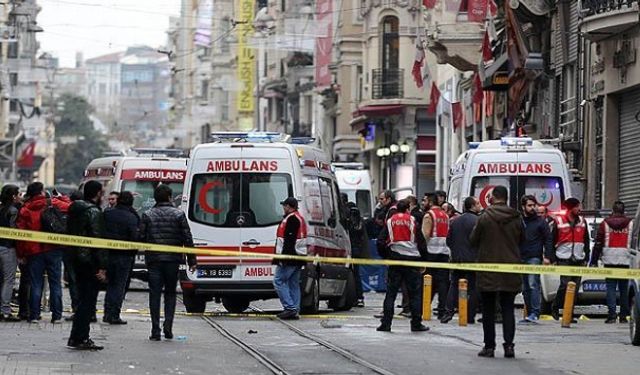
(246, 69)
(26, 158)
(457, 115)
(324, 43)
(429, 4)
(202, 36)
(435, 97)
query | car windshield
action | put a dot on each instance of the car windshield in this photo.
(548, 191)
(143, 193)
(239, 199)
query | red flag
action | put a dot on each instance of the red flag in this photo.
(477, 10)
(486, 48)
(435, 97)
(493, 7)
(456, 113)
(26, 157)
(429, 4)
(417, 63)
(478, 94)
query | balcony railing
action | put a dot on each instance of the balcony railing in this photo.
(388, 83)
(592, 7)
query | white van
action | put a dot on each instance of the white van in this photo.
(140, 172)
(233, 191)
(523, 166)
(355, 181)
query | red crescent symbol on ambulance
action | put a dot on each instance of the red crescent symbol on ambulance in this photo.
(548, 203)
(202, 197)
(484, 196)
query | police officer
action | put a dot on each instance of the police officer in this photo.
(435, 227)
(571, 240)
(401, 245)
(613, 241)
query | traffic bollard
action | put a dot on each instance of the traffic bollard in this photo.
(567, 310)
(462, 302)
(426, 297)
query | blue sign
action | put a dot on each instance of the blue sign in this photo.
(371, 132)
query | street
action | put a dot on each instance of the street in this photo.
(203, 345)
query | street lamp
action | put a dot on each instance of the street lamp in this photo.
(394, 148)
(405, 148)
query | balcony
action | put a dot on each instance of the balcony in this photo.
(387, 83)
(603, 18)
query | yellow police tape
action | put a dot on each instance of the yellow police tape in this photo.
(100, 243)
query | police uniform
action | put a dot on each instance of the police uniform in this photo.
(435, 229)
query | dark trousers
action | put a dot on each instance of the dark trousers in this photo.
(70, 274)
(622, 286)
(358, 280)
(452, 297)
(162, 276)
(439, 282)
(558, 302)
(51, 263)
(88, 286)
(118, 270)
(24, 291)
(412, 279)
(506, 301)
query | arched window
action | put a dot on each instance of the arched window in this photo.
(390, 43)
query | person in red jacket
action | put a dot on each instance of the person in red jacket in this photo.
(41, 257)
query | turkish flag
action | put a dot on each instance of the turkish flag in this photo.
(456, 113)
(417, 63)
(435, 97)
(477, 10)
(487, 55)
(26, 157)
(429, 4)
(478, 94)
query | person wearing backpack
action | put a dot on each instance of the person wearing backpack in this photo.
(40, 213)
(8, 260)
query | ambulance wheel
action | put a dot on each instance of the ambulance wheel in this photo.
(235, 305)
(634, 323)
(348, 298)
(193, 303)
(311, 302)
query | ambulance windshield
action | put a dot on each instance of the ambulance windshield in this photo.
(239, 199)
(548, 191)
(362, 199)
(143, 193)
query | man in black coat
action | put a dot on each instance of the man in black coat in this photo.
(121, 223)
(463, 252)
(164, 224)
(89, 265)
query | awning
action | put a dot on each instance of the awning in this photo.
(358, 121)
(380, 110)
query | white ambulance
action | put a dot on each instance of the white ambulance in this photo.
(355, 181)
(232, 199)
(140, 171)
(523, 166)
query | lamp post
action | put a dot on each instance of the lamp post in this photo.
(383, 153)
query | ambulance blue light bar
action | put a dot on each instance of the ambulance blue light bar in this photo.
(473, 145)
(269, 137)
(515, 141)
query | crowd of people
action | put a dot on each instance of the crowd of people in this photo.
(436, 232)
(89, 270)
(431, 230)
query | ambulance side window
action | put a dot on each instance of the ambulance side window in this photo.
(454, 193)
(313, 200)
(329, 201)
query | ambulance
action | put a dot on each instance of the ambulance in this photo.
(140, 171)
(523, 166)
(232, 198)
(355, 181)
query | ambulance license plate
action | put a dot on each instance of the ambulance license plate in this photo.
(219, 272)
(594, 286)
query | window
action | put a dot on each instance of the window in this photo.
(239, 199)
(390, 43)
(549, 191)
(362, 199)
(454, 193)
(204, 90)
(224, 106)
(13, 79)
(143, 193)
(320, 201)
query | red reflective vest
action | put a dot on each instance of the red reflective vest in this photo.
(570, 241)
(402, 234)
(615, 250)
(438, 241)
(301, 239)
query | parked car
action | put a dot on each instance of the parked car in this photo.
(634, 285)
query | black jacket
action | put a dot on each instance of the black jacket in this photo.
(289, 245)
(458, 238)
(8, 216)
(537, 238)
(418, 215)
(86, 219)
(166, 225)
(122, 223)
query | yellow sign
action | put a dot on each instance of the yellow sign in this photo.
(99, 243)
(246, 69)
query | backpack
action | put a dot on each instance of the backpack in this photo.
(52, 220)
